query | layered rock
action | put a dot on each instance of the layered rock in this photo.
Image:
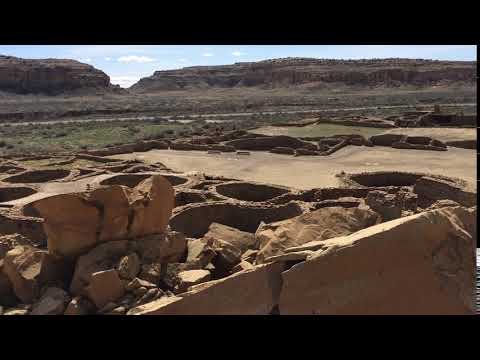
(112, 213)
(321, 224)
(249, 292)
(50, 76)
(278, 73)
(421, 264)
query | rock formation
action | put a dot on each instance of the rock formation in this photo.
(51, 77)
(278, 73)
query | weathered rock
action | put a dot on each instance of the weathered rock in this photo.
(290, 256)
(15, 311)
(242, 240)
(129, 266)
(137, 283)
(242, 265)
(120, 310)
(391, 206)
(103, 257)
(52, 302)
(105, 214)
(152, 211)
(200, 252)
(113, 203)
(443, 203)
(320, 224)
(8, 242)
(437, 189)
(422, 264)
(250, 292)
(189, 278)
(79, 306)
(228, 256)
(105, 287)
(69, 235)
(151, 272)
(50, 76)
(30, 269)
(250, 256)
(170, 247)
(107, 308)
(7, 296)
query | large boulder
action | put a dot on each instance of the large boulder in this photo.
(103, 257)
(30, 269)
(321, 224)
(420, 264)
(75, 223)
(53, 302)
(391, 206)
(240, 239)
(249, 292)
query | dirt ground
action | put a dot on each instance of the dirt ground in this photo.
(315, 171)
(442, 134)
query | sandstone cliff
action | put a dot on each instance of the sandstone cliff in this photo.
(51, 76)
(289, 72)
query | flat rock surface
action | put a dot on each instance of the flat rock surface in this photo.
(317, 171)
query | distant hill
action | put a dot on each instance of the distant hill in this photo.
(52, 77)
(307, 72)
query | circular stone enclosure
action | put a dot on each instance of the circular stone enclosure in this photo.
(250, 192)
(132, 180)
(14, 193)
(38, 176)
(385, 179)
(194, 220)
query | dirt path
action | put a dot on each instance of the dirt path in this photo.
(308, 172)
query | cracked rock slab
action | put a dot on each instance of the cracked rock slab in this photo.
(420, 264)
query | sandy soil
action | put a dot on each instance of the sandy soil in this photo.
(309, 172)
(442, 134)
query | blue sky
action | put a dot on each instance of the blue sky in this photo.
(126, 64)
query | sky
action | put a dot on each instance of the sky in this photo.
(126, 64)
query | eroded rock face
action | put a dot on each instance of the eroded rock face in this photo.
(250, 292)
(105, 214)
(321, 224)
(287, 72)
(29, 269)
(421, 264)
(49, 76)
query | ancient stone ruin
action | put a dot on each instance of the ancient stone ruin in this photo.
(154, 242)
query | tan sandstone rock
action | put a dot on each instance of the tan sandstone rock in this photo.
(321, 224)
(79, 306)
(52, 302)
(152, 206)
(105, 287)
(191, 277)
(421, 264)
(250, 292)
(75, 223)
(70, 223)
(29, 269)
(103, 257)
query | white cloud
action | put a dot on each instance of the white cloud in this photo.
(124, 81)
(238, 53)
(207, 54)
(183, 60)
(86, 60)
(108, 58)
(135, 58)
